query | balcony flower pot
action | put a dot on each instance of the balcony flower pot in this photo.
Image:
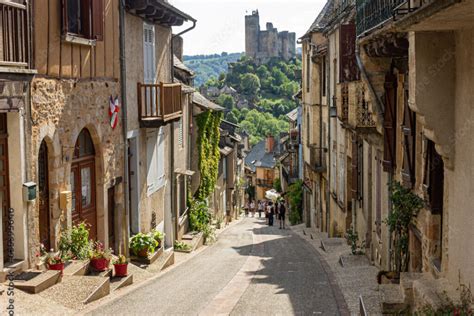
(121, 269)
(143, 253)
(56, 267)
(99, 264)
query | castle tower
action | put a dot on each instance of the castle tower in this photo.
(252, 33)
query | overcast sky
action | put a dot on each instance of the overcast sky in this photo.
(220, 25)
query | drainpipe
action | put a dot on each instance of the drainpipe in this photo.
(123, 93)
(171, 152)
(328, 97)
(320, 147)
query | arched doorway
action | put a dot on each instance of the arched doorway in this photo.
(43, 195)
(83, 183)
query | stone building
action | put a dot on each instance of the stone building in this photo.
(16, 73)
(398, 110)
(261, 45)
(76, 147)
(159, 116)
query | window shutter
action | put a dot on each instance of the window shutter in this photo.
(348, 70)
(389, 124)
(149, 53)
(152, 174)
(180, 132)
(355, 167)
(409, 139)
(86, 18)
(98, 20)
(64, 17)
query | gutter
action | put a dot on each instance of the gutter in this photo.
(123, 94)
(175, 211)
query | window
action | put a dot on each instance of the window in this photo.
(348, 70)
(434, 178)
(389, 123)
(155, 160)
(83, 18)
(409, 140)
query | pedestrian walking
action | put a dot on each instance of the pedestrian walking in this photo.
(246, 208)
(252, 208)
(281, 214)
(260, 208)
(271, 212)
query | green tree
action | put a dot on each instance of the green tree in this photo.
(231, 117)
(250, 84)
(226, 101)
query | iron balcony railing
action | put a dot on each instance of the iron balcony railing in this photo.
(372, 13)
(14, 32)
(159, 102)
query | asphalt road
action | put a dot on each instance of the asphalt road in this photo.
(252, 270)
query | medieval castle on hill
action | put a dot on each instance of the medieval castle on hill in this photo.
(263, 45)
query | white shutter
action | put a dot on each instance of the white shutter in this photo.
(161, 158)
(180, 133)
(149, 53)
(151, 158)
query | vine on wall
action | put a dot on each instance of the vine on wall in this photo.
(208, 146)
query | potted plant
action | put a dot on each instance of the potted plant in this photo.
(99, 256)
(143, 244)
(53, 260)
(120, 265)
(158, 236)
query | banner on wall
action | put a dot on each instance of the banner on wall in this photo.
(114, 108)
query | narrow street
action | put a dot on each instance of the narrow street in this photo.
(251, 269)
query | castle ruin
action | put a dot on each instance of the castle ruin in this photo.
(261, 45)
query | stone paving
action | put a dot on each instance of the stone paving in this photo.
(356, 278)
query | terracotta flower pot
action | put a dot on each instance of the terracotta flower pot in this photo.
(57, 267)
(101, 264)
(143, 253)
(121, 269)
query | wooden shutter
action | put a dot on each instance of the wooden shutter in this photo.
(355, 167)
(98, 20)
(409, 140)
(64, 17)
(389, 124)
(348, 70)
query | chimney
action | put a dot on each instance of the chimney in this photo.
(269, 144)
(178, 47)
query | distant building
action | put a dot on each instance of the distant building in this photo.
(262, 45)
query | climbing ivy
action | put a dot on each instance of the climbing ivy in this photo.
(208, 146)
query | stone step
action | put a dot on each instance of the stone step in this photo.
(393, 301)
(11, 268)
(77, 267)
(120, 282)
(106, 274)
(194, 243)
(406, 284)
(166, 260)
(76, 291)
(36, 281)
(436, 293)
(148, 260)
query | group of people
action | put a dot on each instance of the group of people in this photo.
(270, 209)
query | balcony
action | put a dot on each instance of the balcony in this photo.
(374, 13)
(266, 183)
(317, 159)
(14, 32)
(159, 104)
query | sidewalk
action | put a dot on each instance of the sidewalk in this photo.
(355, 276)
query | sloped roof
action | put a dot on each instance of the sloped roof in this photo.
(259, 157)
(200, 100)
(293, 115)
(322, 19)
(181, 66)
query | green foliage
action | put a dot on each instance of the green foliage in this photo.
(208, 146)
(232, 117)
(75, 242)
(353, 239)
(405, 207)
(295, 198)
(142, 241)
(250, 84)
(226, 101)
(98, 251)
(180, 245)
(259, 125)
(250, 190)
(277, 184)
(199, 214)
(208, 66)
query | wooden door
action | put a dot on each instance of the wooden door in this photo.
(83, 186)
(43, 196)
(4, 183)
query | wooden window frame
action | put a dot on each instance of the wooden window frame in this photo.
(409, 142)
(92, 23)
(433, 179)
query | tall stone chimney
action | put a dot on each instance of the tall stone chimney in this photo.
(178, 47)
(269, 144)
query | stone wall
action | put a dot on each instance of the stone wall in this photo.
(60, 109)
